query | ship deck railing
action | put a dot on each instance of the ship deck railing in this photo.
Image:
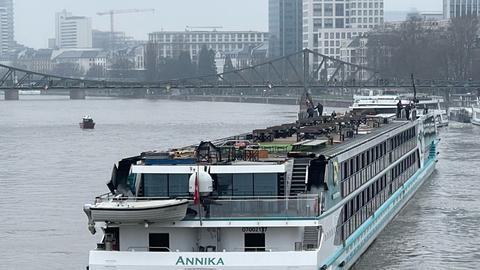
(257, 208)
(205, 249)
(300, 207)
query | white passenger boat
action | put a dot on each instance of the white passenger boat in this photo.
(476, 115)
(436, 106)
(461, 107)
(387, 104)
(308, 195)
(377, 104)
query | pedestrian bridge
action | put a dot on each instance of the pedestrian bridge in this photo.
(302, 70)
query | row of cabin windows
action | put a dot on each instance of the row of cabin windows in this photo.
(245, 184)
(402, 138)
(363, 160)
(403, 166)
(360, 208)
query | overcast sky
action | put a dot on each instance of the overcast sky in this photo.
(35, 19)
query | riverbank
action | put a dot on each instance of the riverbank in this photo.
(328, 102)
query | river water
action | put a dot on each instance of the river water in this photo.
(49, 168)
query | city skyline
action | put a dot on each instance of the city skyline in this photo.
(165, 16)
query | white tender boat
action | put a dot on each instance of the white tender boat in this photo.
(127, 211)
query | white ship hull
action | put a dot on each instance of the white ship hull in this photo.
(213, 260)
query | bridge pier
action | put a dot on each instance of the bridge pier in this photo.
(12, 94)
(78, 94)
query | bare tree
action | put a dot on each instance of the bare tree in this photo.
(462, 35)
(425, 48)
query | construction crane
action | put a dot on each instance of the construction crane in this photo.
(112, 14)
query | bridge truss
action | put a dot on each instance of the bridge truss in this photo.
(306, 69)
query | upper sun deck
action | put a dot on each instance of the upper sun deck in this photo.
(326, 135)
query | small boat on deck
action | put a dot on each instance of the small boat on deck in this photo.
(87, 123)
(133, 211)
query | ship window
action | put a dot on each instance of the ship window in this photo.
(224, 185)
(155, 185)
(355, 206)
(357, 165)
(159, 242)
(265, 184)
(178, 184)
(254, 242)
(165, 185)
(243, 184)
(351, 167)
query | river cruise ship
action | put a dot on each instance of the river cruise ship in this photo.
(308, 195)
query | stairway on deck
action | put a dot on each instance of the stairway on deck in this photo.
(310, 238)
(299, 176)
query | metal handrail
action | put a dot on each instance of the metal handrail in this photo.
(133, 249)
(109, 196)
(239, 249)
(308, 205)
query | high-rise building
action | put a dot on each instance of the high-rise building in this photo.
(72, 31)
(460, 8)
(327, 24)
(285, 27)
(6, 28)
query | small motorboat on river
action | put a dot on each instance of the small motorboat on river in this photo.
(87, 123)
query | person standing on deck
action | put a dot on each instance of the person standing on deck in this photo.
(413, 109)
(407, 111)
(310, 112)
(319, 109)
(399, 109)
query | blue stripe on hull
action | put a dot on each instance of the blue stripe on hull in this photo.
(359, 241)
